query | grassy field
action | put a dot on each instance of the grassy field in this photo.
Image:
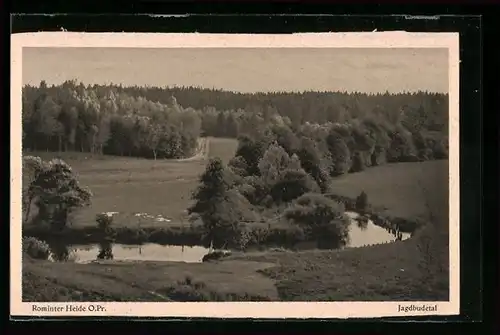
(146, 281)
(382, 272)
(376, 273)
(135, 185)
(401, 190)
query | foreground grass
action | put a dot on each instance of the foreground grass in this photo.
(386, 272)
(135, 185)
(146, 281)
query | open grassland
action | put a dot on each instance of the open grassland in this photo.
(134, 185)
(401, 190)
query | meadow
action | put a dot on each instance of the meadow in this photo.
(387, 272)
(130, 186)
(405, 190)
(381, 272)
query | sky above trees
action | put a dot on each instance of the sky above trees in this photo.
(244, 70)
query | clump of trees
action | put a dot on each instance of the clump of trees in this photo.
(322, 219)
(221, 208)
(362, 202)
(104, 222)
(106, 120)
(280, 163)
(320, 152)
(231, 202)
(53, 189)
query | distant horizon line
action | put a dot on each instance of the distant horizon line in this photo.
(166, 87)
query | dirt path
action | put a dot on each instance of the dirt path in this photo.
(201, 151)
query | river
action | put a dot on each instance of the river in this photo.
(360, 234)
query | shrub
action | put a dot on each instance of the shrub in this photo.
(292, 185)
(104, 221)
(36, 248)
(321, 218)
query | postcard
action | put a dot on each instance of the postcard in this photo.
(308, 175)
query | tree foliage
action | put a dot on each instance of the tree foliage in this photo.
(221, 208)
(55, 190)
(106, 120)
(349, 128)
(362, 202)
(322, 218)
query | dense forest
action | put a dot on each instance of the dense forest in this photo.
(104, 120)
(431, 109)
(349, 131)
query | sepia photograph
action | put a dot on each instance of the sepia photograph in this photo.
(308, 175)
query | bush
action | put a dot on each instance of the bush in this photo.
(214, 255)
(36, 248)
(104, 221)
(292, 185)
(321, 218)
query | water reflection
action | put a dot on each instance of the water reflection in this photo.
(105, 250)
(363, 232)
(362, 222)
(60, 252)
(145, 252)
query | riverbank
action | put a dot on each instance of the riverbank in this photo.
(387, 272)
(385, 221)
(261, 236)
(400, 190)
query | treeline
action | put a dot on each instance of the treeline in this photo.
(150, 122)
(422, 109)
(104, 120)
(333, 149)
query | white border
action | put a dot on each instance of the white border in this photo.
(194, 40)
